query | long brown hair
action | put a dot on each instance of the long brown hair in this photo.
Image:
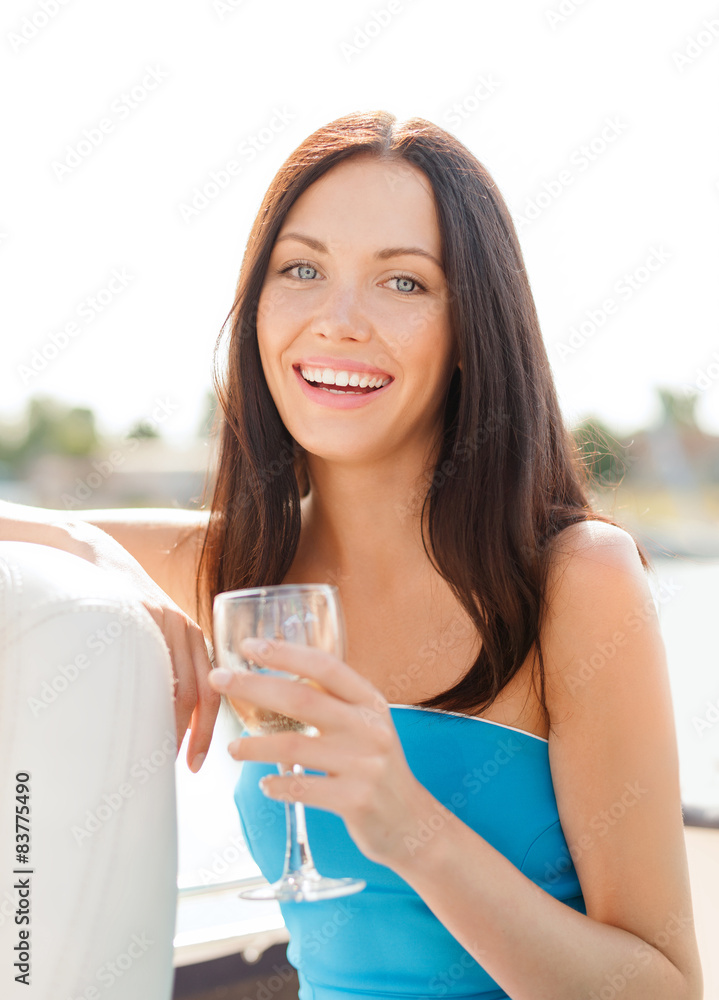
(508, 477)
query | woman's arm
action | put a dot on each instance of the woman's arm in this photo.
(156, 551)
(165, 541)
(612, 730)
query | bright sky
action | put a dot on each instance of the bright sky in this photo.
(597, 121)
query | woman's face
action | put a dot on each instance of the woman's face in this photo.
(355, 288)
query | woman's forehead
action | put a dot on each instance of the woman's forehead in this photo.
(378, 201)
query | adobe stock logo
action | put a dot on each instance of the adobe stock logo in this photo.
(246, 151)
(364, 34)
(623, 289)
(696, 45)
(32, 24)
(88, 309)
(560, 14)
(579, 161)
(120, 109)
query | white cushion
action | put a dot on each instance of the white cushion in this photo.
(86, 709)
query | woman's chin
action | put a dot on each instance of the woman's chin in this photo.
(347, 449)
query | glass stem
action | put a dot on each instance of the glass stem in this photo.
(298, 858)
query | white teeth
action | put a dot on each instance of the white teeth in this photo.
(327, 376)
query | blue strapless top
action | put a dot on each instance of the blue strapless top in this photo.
(385, 942)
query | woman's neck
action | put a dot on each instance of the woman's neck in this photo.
(359, 523)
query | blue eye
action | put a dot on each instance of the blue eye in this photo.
(406, 278)
(304, 266)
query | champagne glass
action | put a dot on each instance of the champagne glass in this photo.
(300, 613)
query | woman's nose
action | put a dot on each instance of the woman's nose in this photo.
(342, 314)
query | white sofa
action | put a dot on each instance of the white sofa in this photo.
(86, 711)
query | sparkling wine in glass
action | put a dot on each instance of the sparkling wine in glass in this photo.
(300, 613)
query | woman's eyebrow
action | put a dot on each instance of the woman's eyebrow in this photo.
(320, 247)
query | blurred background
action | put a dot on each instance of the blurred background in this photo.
(139, 140)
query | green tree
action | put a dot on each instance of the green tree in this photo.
(143, 429)
(678, 407)
(605, 458)
(50, 428)
(58, 429)
(209, 412)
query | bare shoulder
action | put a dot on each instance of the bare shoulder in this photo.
(590, 559)
(588, 543)
(596, 591)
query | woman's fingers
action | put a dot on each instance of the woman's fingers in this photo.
(311, 789)
(328, 670)
(208, 701)
(288, 697)
(340, 795)
(292, 748)
(160, 616)
(345, 781)
(175, 632)
(196, 702)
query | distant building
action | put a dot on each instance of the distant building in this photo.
(144, 472)
(675, 453)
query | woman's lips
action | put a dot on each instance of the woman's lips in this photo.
(341, 400)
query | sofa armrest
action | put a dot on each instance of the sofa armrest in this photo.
(86, 711)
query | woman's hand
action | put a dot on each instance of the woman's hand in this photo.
(368, 781)
(196, 703)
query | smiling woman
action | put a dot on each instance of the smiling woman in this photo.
(389, 424)
(384, 336)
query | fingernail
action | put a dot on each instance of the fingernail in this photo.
(221, 677)
(197, 762)
(259, 646)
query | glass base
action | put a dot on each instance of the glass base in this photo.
(301, 888)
